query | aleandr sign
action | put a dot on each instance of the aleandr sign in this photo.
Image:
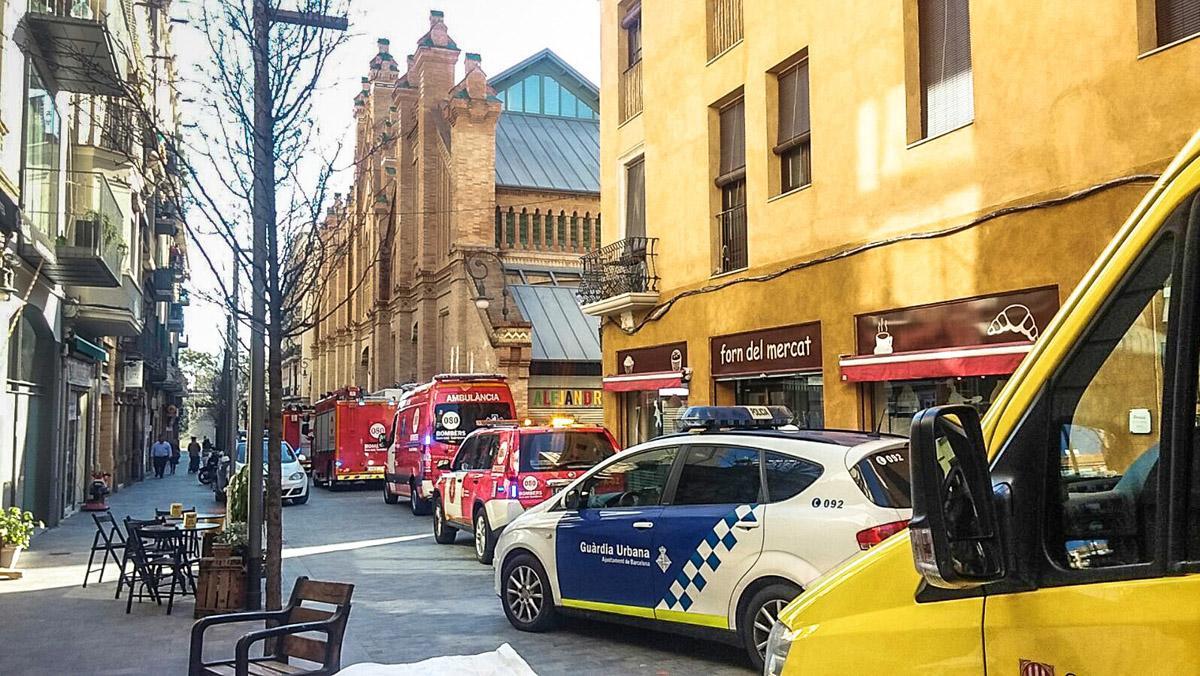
(784, 349)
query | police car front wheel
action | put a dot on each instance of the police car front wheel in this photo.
(526, 594)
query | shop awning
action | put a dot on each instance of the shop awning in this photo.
(643, 382)
(983, 360)
(89, 349)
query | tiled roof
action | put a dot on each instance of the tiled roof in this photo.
(550, 153)
(561, 332)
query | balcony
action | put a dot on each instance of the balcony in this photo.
(168, 379)
(175, 318)
(110, 312)
(104, 134)
(725, 26)
(166, 219)
(620, 278)
(162, 284)
(732, 225)
(88, 249)
(82, 43)
(631, 91)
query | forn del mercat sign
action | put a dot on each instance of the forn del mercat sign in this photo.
(783, 349)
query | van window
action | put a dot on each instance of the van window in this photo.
(884, 478)
(1106, 409)
(565, 450)
(453, 422)
(719, 475)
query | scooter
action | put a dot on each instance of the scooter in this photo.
(208, 473)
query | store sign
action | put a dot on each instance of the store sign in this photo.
(671, 357)
(1017, 317)
(786, 349)
(132, 379)
(564, 398)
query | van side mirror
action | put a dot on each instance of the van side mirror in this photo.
(955, 534)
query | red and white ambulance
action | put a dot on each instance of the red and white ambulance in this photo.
(347, 426)
(430, 422)
(502, 470)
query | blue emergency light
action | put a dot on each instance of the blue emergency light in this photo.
(699, 418)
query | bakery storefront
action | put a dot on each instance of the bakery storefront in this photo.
(651, 391)
(779, 366)
(961, 351)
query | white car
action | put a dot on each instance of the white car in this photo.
(709, 532)
(293, 479)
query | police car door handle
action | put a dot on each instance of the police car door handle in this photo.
(747, 525)
(643, 525)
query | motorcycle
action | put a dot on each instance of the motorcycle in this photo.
(208, 473)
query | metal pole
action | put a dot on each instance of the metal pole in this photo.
(264, 185)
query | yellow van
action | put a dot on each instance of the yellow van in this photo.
(1076, 548)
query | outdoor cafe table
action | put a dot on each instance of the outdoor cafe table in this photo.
(193, 532)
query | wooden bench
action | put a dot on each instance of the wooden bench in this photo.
(288, 623)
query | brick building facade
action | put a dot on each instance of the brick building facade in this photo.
(459, 242)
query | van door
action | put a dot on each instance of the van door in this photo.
(475, 483)
(451, 483)
(1109, 557)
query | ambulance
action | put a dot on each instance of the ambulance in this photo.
(1060, 534)
(708, 532)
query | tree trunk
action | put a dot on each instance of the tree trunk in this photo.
(274, 511)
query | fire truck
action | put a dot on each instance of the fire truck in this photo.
(347, 426)
(297, 431)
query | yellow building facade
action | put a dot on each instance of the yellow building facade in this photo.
(861, 209)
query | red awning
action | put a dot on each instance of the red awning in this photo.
(983, 360)
(643, 382)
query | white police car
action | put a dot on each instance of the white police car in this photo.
(711, 531)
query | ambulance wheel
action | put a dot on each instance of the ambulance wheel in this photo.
(485, 539)
(419, 506)
(528, 604)
(760, 614)
(443, 532)
(388, 496)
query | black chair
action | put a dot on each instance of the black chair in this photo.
(293, 620)
(109, 540)
(153, 566)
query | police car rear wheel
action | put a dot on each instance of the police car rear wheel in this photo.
(761, 614)
(485, 540)
(443, 532)
(527, 602)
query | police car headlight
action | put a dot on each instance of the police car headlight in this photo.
(779, 642)
(296, 476)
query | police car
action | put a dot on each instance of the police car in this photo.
(710, 531)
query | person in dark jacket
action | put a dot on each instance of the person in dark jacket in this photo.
(193, 456)
(175, 455)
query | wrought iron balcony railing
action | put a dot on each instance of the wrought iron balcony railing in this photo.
(732, 223)
(625, 266)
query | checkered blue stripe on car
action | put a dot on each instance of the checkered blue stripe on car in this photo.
(689, 584)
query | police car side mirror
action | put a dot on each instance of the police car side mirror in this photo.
(443, 465)
(955, 533)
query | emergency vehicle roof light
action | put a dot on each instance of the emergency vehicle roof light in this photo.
(468, 376)
(700, 418)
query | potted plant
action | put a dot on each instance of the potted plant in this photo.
(231, 541)
(16, 529)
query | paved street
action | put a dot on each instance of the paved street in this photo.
(413, 599)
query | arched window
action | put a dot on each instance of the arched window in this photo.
(510, 235)
(524, 230)
(574, 230)
(587, 231)
(537, 228)
(562, 229)
(499, 228)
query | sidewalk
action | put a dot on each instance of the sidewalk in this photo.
(49, 624)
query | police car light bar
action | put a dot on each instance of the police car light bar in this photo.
(700, 418)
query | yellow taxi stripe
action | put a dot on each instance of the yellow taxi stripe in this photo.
(701, 619)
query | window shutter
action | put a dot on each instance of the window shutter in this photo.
(1176, 19)
(733, 138)
(635, 199)
(946, 81)
(793, 103)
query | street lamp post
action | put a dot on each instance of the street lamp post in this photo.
(479, 272)
(264, 217)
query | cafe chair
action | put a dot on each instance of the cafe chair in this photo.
(108, 540)
(131, 524)
(154, 567)
(296, 618)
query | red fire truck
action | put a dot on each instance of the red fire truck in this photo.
(297, 431)
(347, 425)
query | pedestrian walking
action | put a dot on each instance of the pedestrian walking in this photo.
(160, 453)
(175, 455)
(193, 456)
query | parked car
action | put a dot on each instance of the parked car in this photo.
(499, 472)
(431, 420)
(294, 488)
(711, 531)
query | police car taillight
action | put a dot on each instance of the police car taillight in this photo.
(872, 536)
(700, 418)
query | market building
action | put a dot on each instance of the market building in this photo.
(458, 246)
(94, 254)
(882, 212)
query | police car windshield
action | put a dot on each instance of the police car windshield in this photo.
(285, 452)
(883, 477)
(563, 450)
(453, 422)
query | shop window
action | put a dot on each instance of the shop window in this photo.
(637, 480)
(897, 401)
(802, 395)
(731, 181)
(944, 60)
(1106, 412)
(1175, 20)
(793, 141)
(788, 476)
(719, 475)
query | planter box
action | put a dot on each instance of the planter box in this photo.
(9, 556)
(221, 587)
